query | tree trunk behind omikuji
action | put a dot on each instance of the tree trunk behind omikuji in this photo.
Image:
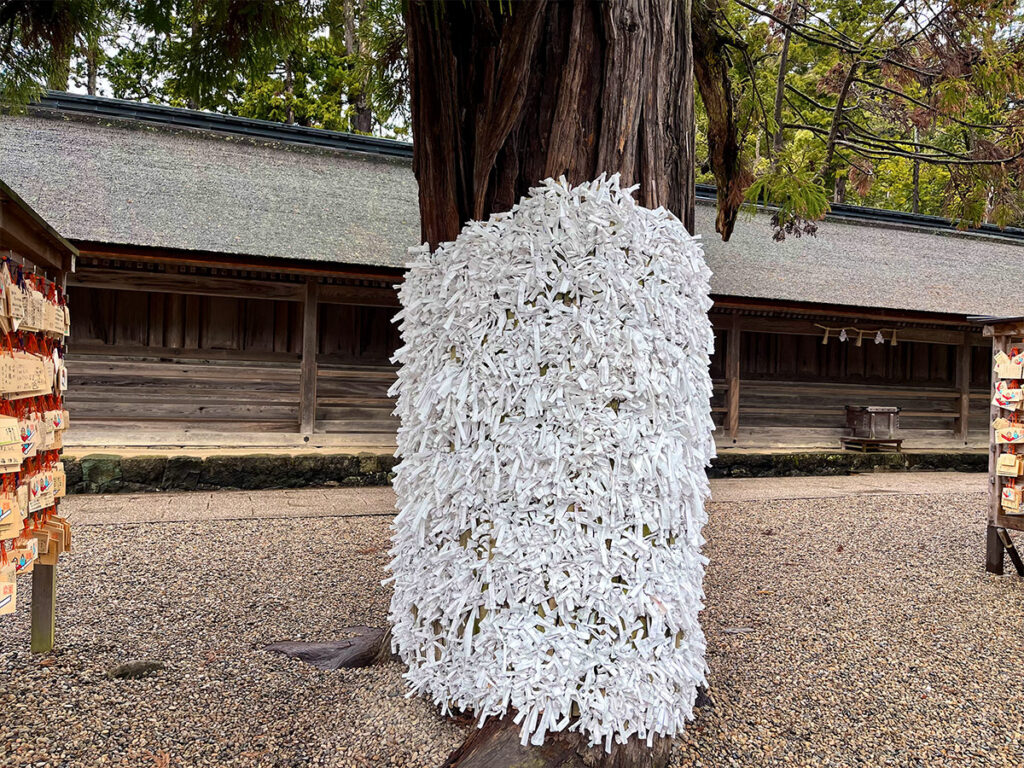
(504, 95)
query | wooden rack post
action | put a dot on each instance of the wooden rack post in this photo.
(44, 607)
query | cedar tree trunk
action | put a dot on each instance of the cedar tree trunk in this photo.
(505, 94)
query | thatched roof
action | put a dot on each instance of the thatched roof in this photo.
(132, 183)
(138, 183)
(866, 264)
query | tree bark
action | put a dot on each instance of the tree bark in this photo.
(780, 84)
(362, 118)
(712, 69)
(496, 745)
(365, 647)
(915, 203)
(289, 92)
(506, 94)
(91, 65)
(828, 169)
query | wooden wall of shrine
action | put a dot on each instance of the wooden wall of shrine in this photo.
(778, 384)
(172, 353)
(168, 352)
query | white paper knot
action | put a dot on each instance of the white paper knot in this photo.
(555, 428)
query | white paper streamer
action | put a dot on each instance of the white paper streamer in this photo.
(555, 428)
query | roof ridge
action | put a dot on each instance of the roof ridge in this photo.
(102, 106)
(852, 214)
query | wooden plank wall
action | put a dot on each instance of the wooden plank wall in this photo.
(161, 363)
(794, 389)
(178, 363)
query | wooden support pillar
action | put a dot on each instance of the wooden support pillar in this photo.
(963, 384)
(999, 344)
(44, 602)
(191, 340)
(993, 551)
(732, 377)
(1011, 550)
(310, 339)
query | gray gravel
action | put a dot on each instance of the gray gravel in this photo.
(203, 598)
(856, 631)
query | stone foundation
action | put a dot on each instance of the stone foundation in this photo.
(110, 473)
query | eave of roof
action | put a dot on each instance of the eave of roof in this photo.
(155, 177)
(48, 231)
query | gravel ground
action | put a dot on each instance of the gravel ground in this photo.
(842, 631)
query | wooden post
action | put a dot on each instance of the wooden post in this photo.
(732, 376)
(191, 340)
(993, 551)
(310, 338)
(963, 383)
(1011, 550)
(44, 592)
(994, 548)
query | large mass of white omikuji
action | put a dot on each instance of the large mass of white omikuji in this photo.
(554, 398)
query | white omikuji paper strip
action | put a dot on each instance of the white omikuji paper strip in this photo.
(555, 412)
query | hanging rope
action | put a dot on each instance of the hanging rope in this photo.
(843, 333)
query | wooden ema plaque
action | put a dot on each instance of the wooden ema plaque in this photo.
(33, 536)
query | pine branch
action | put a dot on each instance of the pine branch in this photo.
(881, 25)
(817, 104)
(839, 33)
(898, 143)
(932, 159)
(796, 29)
(918, 102)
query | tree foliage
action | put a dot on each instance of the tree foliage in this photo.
(906, 104)
(337, 64)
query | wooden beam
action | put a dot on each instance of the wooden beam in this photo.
(270, 264)
(44, 593)
(875, 315)
(963, 384)
(310, 339)
(187, 284)
(360, 295)
(85, 351)
(22, 231)
(797, 327)
(1011, 328)
(732, 377)
(183, 283)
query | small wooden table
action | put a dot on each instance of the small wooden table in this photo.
(872, 444)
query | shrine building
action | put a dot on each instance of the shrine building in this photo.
(235, 288)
